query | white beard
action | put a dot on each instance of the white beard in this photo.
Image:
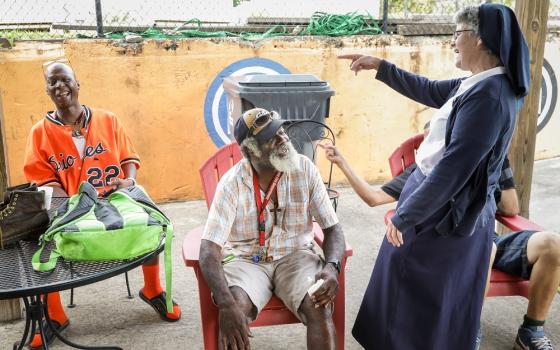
(286, 163)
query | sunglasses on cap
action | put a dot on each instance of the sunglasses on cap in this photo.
(262, 119)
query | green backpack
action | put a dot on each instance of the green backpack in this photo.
(125, 225)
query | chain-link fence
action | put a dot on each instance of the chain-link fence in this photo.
(249, 19)
(438, 10)
(435, 17)
(44, 19)
(425, 17)
(52, 19)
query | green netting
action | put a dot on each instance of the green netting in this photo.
(340, 25)
(178, 33)
(320, 24)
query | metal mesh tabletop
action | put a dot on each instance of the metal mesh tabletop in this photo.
(17, 277)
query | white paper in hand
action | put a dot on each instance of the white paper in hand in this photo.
(315, 286)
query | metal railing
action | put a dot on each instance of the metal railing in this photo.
(59, 19)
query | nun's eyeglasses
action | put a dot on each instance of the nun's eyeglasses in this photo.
(457, 33)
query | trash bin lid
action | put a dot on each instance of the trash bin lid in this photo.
(280, 80)
(275, 82)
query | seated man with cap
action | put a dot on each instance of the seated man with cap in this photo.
(258, 238)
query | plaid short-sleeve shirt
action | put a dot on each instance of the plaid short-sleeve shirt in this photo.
(233, 219)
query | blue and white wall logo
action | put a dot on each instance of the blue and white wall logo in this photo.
(549, 95)
(215, 104)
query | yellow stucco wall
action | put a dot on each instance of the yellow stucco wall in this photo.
(548, 143)
(157, 89)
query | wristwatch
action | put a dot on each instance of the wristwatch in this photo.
(336, 264)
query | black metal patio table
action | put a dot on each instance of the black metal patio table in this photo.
(19, 280)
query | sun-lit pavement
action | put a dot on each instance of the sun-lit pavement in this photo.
(104, 316)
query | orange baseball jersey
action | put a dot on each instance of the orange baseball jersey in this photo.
(51, 156)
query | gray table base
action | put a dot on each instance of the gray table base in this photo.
(18, 280)
(35, 312)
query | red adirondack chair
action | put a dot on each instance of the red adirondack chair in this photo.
(275, 312)
(501, 283)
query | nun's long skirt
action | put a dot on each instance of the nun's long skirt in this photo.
(427, 294)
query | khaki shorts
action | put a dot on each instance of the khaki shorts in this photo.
(288, 278)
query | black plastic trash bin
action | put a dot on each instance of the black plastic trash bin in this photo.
(293, 96)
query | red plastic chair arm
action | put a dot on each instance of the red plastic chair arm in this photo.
(518, 223)
(320, 237)
(191, 246)
(404, 155)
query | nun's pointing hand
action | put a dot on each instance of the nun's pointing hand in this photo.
(394, 236)
(360, 62)
(333, 154)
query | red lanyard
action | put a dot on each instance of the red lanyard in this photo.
(261, 205)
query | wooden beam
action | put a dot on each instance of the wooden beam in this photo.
(9, 309)
(533, 17)
(39, 26)
(205, 28)
(426, 29)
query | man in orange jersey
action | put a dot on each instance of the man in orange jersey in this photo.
(75, 143)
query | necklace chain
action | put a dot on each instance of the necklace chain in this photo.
(77, 121)
(80, 120)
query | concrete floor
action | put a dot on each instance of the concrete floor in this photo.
(105, 316)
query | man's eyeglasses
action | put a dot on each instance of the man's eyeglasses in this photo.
(58, 60)
(457, 33)
(262, 119)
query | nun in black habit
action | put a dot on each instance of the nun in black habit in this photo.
(427, 286)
